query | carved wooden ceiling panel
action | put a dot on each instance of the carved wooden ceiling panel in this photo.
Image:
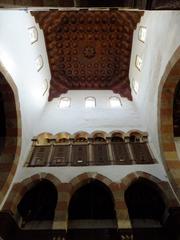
(89, 49)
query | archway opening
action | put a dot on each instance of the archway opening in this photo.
(176, 111)
(3, 124)
(8, 132)
(176, 118)
(37, 207)
(145, 204)
(169, 119)
(92, 206)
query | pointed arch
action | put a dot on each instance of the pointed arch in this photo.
(84, 178)
(10, 153)
(19, 189)
(164, 187)
(166, 92)
(81, 187)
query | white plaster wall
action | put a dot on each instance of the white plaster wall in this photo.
(102, 117)
(163, 38)
(38, 115)
(115, 173)
(18, 55)
(77, 117)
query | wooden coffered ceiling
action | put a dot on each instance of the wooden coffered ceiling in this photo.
(89, 49)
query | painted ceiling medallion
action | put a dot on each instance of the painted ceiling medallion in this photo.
(89, 52)
(89, 49)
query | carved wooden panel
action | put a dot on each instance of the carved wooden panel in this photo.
(100, 154)
(141, 153)
(89, 49)
(80, 155)
(60, 155)
(121, 153)
(39, 156)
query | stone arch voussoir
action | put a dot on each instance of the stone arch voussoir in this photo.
(12, 149)
(166, 92)
(19, 189)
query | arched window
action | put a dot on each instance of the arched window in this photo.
(90, 102)
(65, 102)
(135, 85)
(92, 205)
(115, 102)
(142, 33)
(138, 62)
(145, 203)
(39, 63)
(33, 34)
(38, 204)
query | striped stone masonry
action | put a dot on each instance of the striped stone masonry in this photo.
(168, 85)
(66, 190)
(11, 152)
